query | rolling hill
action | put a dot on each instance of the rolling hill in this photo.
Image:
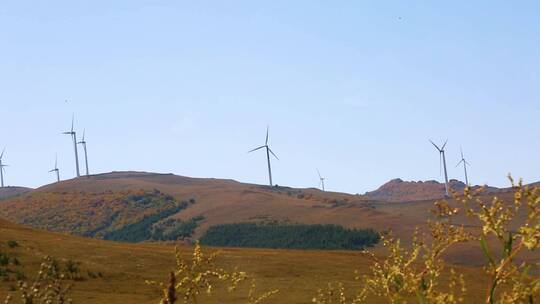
(10, 191)
(102, 203)
(138, 206)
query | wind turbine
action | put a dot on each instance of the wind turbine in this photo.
(465, 164)
(83, 143)
(442, 161)
(74, 137)
(321, 180)
(2, 170)
(56, 169)
(268, 151)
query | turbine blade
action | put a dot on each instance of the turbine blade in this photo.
(319, 174)
(459, 163)
(444, 144)
(267, 130)
(2, 155)
(467, 163)
(272, 153)
(72, 121)
(56, 161)
(84, 131)
(461, 150)
(256, 149)
(436, 147)
(52, 170)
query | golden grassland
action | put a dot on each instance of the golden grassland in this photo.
(296, 273)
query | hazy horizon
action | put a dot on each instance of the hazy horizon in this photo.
(355, 90)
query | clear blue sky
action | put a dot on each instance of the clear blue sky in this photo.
(353, 88)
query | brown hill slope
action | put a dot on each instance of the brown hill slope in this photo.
(122, 203)
(96, 205)
(10, 191)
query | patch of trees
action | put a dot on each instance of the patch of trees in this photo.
(142, 230)
(156, 226)
(175, 229)
(289, 236)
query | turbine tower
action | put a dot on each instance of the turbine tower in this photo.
(56, 169)
(442, 161)
(74, 137)
(321, 180)
(2, 170)
(465, 164)
(83, 143)
(268, 151)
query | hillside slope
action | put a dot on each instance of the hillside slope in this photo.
(10, 191)
(102, 203)
(134, 206)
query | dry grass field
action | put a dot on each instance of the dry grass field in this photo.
(297, 274)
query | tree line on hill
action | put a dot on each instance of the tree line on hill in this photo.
(289, 236)
(154, 228)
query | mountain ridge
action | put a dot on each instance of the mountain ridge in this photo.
(398, 190)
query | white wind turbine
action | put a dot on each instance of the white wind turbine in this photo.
(442, 161)
(83, 143)
(2, 170)
(74, 137)
(465, 164)
(321, 180)
(56, 169)
(268, 151)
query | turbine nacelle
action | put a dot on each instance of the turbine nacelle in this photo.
(83, 142)
(441, 150)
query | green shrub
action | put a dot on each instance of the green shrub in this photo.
(4, 259)
(12, 244)
(73, 269)
(19, 275)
